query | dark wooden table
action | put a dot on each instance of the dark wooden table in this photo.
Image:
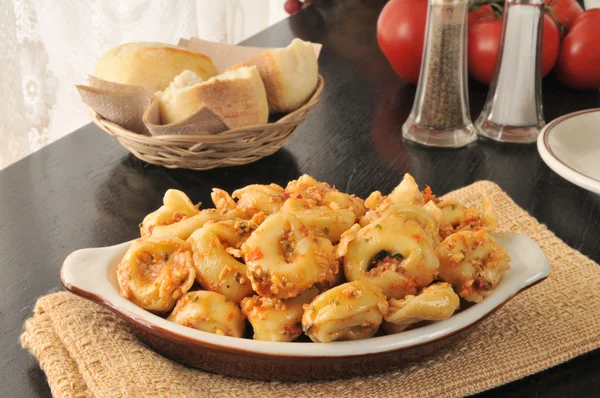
(85, 190)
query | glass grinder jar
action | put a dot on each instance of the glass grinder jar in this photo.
(440, 115)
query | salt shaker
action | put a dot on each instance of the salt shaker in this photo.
(440, 114)
(513, 109)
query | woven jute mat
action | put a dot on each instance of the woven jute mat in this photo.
(85, 350)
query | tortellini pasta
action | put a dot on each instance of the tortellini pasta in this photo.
(253, 199)
(392, 253)
(473, 262)
(323, 194)
(321, 220)
(455, 217)
(410, 212)
(215, 246)
(350, 311)
(435, 303)
(210, 312)
(184, 228)
(309, 259)
(284, 259)
(407, 192)
(155, 273)
(176, 207)
(277, 319)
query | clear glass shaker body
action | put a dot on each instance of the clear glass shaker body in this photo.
(440, 115)
(513, 109)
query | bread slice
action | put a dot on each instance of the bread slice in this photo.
(238, 96)
(290, 75)
(151, 65)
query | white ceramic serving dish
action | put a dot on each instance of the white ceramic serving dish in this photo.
(570, 145)
(91, 273)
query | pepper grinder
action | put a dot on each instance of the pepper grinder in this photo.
(513, 109)
(440, 114)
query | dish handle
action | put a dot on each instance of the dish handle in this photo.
(92, 270)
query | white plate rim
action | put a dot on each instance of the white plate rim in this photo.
(556, 164)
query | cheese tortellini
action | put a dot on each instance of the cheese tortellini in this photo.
(435, 303)
(284, 259)
(455, 217)
(392, 253)
(215, 247)
(310, 260)
(277, 319)
(410, 212)
(323, 194)
(155, 273)
(321, 220)
(176, 207)
(253, 199)
(210, 312)
(407, 192)
(184, 228)
(351, 311)
(473, 262)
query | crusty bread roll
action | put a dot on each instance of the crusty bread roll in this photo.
(238, 96)
(290, 75)
(151, 65)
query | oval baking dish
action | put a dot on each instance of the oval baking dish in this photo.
(90, 273)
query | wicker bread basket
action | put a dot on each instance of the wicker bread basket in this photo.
(233, 147)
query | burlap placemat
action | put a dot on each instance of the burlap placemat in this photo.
(85, 350)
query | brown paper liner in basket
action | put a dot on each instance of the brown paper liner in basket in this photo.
(233, 147)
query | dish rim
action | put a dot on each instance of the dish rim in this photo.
(423, 335)
(556, 163)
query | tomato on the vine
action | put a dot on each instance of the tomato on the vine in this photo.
(483, 42)
(401, 31)
(579, 59)
(551, 44)
(400, 34)
(565, 11)
(592, 13)
(480, 13)
(484, 39)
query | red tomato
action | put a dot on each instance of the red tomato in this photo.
(551, 44)
(579, 59)
(480, 13)
(565, 11)
(292, 6)
(483, 41)
(591, 13)
(400, 34)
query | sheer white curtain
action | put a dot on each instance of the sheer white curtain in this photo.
(48, 46)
